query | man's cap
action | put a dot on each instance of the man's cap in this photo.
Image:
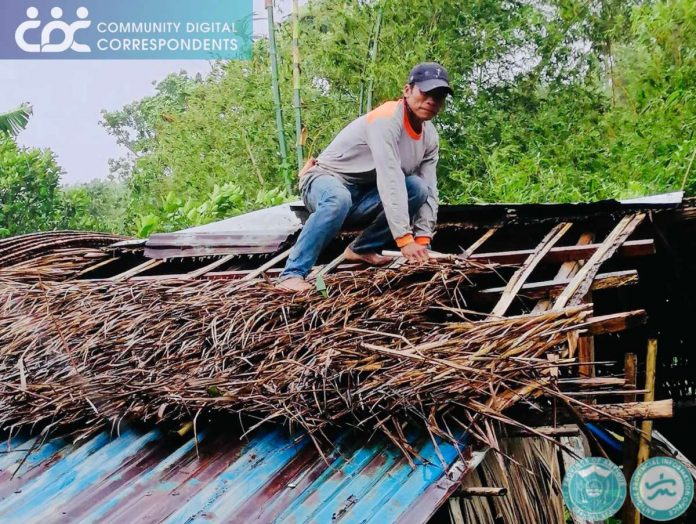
(428, 76)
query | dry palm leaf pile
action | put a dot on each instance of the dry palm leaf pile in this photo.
(374, 354)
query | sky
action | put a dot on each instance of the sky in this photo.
(68, 96)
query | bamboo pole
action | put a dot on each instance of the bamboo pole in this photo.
(630, 450)
(273, 51)
(647, 425)
(360, 97)
(373, 58)
(296, 101)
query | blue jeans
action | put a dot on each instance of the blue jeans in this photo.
(332, 204)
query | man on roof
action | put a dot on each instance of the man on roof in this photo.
(379, 170)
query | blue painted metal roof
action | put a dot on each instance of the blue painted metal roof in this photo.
(148, 476)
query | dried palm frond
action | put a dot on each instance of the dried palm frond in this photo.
(375, 354)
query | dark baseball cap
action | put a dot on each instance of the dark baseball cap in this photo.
(428, 76)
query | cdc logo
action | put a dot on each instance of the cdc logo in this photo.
(53, 29)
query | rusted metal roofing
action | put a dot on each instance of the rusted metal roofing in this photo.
(262, 231)
(149, 476)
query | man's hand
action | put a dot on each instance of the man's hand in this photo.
(415, 253)
(309, 164)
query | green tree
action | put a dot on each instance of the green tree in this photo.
(29, 193)
(99, 205)
(559, 100)
(214, 136)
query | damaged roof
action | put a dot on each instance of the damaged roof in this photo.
(154, 476)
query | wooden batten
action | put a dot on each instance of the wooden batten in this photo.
(582, 281)
(657, 409)
(521, 275)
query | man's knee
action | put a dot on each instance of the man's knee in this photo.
(336, 202)
(417, 191)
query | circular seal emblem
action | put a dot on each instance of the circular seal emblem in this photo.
(662, 488)
(594, 488)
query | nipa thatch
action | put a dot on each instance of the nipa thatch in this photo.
(384, 348)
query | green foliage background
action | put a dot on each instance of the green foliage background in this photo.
(556, 100)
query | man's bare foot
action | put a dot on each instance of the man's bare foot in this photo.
(373, 259)
(294, 285)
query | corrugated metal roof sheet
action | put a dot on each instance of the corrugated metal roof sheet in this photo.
(272, 477)
(262, 231)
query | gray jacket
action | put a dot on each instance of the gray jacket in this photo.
(381, 147)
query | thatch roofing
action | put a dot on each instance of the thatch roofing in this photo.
(162, 340)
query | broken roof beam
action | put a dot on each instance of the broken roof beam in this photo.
(567, 270)
(582, 281)
(93, 268)
(268, 265)
(400, 260)
(585, 346)
(614, 323)
(145, 266)
(523, 273)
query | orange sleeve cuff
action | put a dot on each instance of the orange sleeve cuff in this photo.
(404, 240)
(423, 241)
